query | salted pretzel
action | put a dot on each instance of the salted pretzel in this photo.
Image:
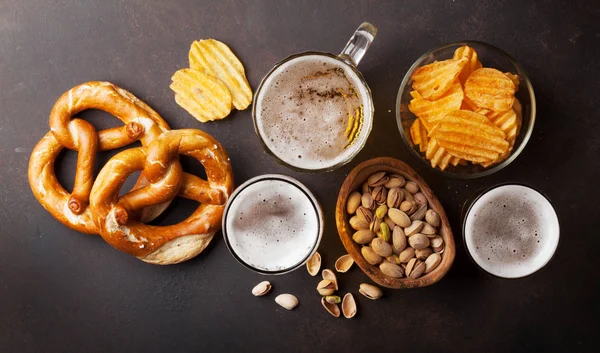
(141, 123)
(158, 162)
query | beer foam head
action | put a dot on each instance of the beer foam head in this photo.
(302, 121)
(511, 231)
(272, 224)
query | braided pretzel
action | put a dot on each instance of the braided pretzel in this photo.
(163, 244)
(141, 123)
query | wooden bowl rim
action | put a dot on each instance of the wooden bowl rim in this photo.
(352, 248)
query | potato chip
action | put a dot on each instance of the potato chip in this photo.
(507, 122)
(418, 133)
(435, 79)
(490, 89)
(518, 110)
(216, 59)
(468, 105)
(472, 64)
(470, 136)
(203, 96)
(416, 95)
(431, 112)
(438, 156)
(514, 78)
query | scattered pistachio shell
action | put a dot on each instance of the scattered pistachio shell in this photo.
(313, 265)
(349, 306)
(432, 218)
(344, 263)
(331, 308)
(370, 291)
(353, 202)
(432, 262)
(326, 287)
(329, 275)
(261, 289)
(370, 256)
(287, 301)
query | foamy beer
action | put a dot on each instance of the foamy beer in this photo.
(511, 231)
(314, 111)
(272, 224)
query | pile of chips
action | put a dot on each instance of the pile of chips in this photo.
(465, 113)
(214, 84)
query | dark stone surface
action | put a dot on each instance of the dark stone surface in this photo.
(68, 292)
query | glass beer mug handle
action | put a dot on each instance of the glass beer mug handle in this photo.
(359, 43)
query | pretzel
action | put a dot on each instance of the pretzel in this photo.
(163, 244)
(141, 123)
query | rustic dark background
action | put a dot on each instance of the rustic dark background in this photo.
(61, 291)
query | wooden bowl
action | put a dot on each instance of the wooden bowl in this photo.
(353, 182)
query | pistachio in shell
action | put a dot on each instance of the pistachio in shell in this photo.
(417, 270)
(411, 187)
(419, 213)
(379, 194)
(375, 225)
(423, 254)
(353, 202)
(406, 254)
(377, 179)
(327, 274)
(409, 266)
(349, 306)
(358, 223)
(418, 241)
(287, 301)
(420, 199)
(432, 262)
(393, 259)
(395, 181)
(395, 197)
(407, 206)
(381, 247)
(389, 222)
(398, 239)
(365, 188)
(432, 218)
(370, 291)
(437, 244)
(331, 308)
(313, 265)
(428, 229)
(343, 264)
(326, 287)
(391, 270)
(364, 214)
(370, 256)
(261, 289)
(399, 217)
(363, 236)
(366, 200)
(408, 196)
(414, 228)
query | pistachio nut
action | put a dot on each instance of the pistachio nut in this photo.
(381, 211)
(364, 214)
(417, 269)
(414, 228)
(419, 213)
(432, 262)
(349, 306)
(424, 253)
(437, 244)
(326, 287)
(389, 222)
(381, 247)
(428, 229)
(407, 206)
(353, 202)
(391, 270)
(327, 274)
(394, 197)
(399, 217)
(366, 201)
(363, 236)
(370, 255)
(370, 291)
(333, 299)
(406, 254)
(377, 179)
(313, 265)
(408, 196)
(411, 187)
(395, 181)
(365, 188)
(432, 218)
(287, 301)
(393, 259)
(385, 233)
(331, 308)
(375, 225)
(418, 241)
(420, 199)
(409, 266)
(358, 223)
(398, 240)
(379, 194)
(261, 289)
(343, 264)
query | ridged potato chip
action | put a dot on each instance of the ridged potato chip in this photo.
(514, 78)
(216, 59)
(418, 133)
(490, 89)
(470, 136)
(472, 64)
(507, 121)
(434, 80)
(203, 96)
(431, 112)
(438, 156)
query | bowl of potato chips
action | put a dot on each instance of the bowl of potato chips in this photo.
(466, 109)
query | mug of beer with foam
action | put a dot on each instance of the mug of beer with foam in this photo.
(314, 111)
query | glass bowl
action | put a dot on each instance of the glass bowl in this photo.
(491, 57)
